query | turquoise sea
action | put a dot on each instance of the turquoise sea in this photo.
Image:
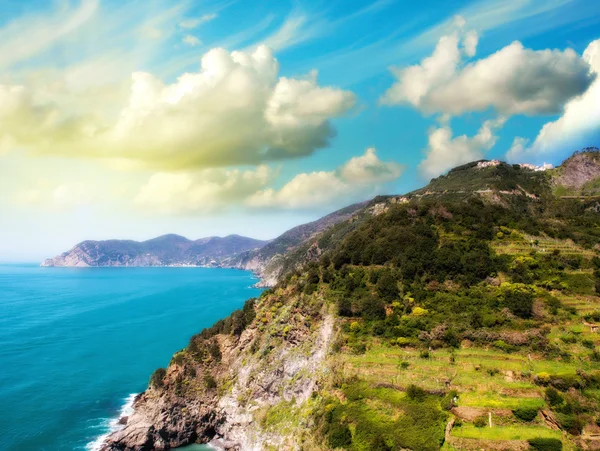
(77, 344)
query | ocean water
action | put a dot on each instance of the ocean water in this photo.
(77, 344)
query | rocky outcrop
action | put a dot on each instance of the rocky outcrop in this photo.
(579, 169)
(221, 400)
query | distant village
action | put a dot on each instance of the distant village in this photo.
(543, 167)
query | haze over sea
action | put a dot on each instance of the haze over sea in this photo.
(75, 344)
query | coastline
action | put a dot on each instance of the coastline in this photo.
(261, 283)
(113, 424)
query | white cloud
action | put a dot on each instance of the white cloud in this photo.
(514, 80)
(579, 125)
(192, 23)
(445, 152)
(361, 176)
(215, 190)
(190, 40)
(200, 192)
(234, 110)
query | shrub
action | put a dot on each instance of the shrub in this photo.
(519, 299)
(404, 364)
(554, 397)
(215, 351)
(415, 393)
(525, 413)
(424, 354)
(545, 444)
(156, 380)
(480, 422)
(339, 436)
(210, 382)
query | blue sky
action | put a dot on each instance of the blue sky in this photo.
(133, 119)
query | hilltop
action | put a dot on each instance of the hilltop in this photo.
(166, 250)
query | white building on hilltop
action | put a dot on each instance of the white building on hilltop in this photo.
(487, 164)
(532, 167)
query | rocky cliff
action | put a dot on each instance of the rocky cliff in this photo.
(221, 386)
(166, 250)
(579, 174)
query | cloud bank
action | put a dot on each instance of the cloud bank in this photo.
(214, 190)
(358, 177)
(235, 110)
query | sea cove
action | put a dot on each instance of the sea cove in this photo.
(75, 344)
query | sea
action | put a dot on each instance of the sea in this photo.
(77, 344)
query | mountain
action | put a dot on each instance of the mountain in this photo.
(166, 250)
(460, 316)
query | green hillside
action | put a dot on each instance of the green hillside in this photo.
(459, 317)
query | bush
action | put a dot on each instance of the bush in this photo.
(415, 393)
(525, 413)
(554, 397)
(156, 380)
(480, 422)
(340, 436)
(545, 444)
(210, 382)
(519, 299)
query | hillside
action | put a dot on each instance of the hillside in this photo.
(458, 317)
(166, 250)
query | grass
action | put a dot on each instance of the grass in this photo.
(498, 401)
(505, 432)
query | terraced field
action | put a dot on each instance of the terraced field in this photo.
(492, 384)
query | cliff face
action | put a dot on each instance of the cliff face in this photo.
(579, 171)
(215, 390)
(167, 250)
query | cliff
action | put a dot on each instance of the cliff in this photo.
(166, 250)
(214, 390)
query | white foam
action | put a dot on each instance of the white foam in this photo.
(112, 424)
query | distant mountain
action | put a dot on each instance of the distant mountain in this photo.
(166, 250)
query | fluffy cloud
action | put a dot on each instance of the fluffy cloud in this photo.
(360, 176)
(211, 190)
(445, 152)
(234, 110)
(579, 125)
(514, 80)
(200, 192)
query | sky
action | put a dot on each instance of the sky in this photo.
(132, 119)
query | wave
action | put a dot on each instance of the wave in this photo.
(112, 424)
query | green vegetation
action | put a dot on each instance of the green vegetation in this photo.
(474, 298)
(382, 418)
(156, 380)
(526, 414)
(545, 444)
